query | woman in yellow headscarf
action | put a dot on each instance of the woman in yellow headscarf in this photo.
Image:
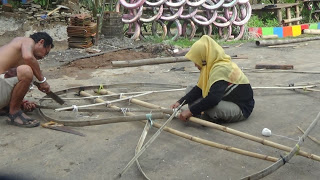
(223, 92)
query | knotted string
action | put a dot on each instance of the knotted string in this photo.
(148, 116)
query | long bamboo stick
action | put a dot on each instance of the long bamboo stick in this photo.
(196, 139)
(311, 31)
(140, 62)
(285, 41)
(226, 129)
(278, 71)
(117, 119)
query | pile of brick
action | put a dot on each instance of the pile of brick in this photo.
(81, 31)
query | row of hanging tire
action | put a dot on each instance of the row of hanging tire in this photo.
(226, 15)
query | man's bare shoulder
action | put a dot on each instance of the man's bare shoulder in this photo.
(21, 40)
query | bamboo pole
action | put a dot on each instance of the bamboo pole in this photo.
(273, 36)
(286, 21)
(193, 138)
(311, 31)
(140, 62)
(102, 103)
(278, 71)
(225, 129)
(117, 119)
(118, 94)
(293, 87)
(285, 41)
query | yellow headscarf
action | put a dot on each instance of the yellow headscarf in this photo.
(218, 64)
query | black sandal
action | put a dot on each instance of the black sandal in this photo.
(4, 111)
(26, 122)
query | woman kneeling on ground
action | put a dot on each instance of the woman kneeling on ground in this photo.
(223, 93)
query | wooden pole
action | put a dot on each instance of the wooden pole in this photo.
(311, 31)
(140, 62)
(225, 129)
(273, 36)
(193, 138)
(285, 41)
(274, 66)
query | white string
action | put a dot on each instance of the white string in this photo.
(124, 111)
(110, 95)
(75, 110)
(267, 132)
(286, 137)
(104, 103)
(130, 100)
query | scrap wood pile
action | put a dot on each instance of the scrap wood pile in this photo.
(81, 31)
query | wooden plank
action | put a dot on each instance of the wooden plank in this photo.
(285, 21)
(273, 66)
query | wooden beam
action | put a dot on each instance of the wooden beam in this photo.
(273, 66)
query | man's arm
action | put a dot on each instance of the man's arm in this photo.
(27, 48)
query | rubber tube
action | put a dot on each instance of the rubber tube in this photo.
(158, 3)
(214, 6)
(184, 29)
(132, 5)
(173, 17)
(246, 11)
(205, 23)
(155, 17)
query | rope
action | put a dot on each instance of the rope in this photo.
(149, 116)
(100, 87)
(124, 111)
(75, 110)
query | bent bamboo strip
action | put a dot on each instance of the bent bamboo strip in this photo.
(196, 139)
(226, 129)
(269, 170)
(311, 137)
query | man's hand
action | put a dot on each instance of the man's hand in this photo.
(185, 115)
(11, 73)
(28, 106)
(44, 87)
(175, 105)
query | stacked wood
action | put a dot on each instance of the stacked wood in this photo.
(81, 31)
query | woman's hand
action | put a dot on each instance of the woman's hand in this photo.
(175, 105)
(185, 115)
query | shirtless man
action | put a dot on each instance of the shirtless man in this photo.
(18, 66)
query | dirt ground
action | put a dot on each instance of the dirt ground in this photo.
(40, 153)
